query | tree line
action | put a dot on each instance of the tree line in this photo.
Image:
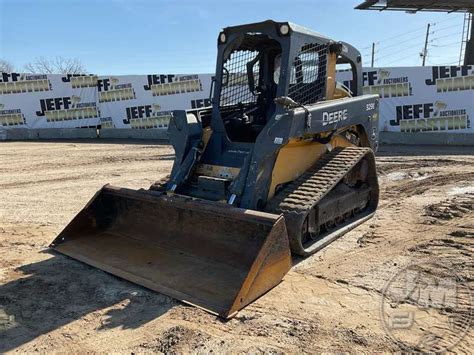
(41, 65)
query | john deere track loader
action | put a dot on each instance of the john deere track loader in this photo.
(281, 162)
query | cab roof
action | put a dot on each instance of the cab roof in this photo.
(256, 26)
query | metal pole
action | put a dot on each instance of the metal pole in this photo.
(373, 55)
(425, 50)
(466, 16)
(469, 53)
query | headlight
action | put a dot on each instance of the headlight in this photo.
(284, 29)
(222, 37)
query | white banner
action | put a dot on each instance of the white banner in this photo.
(422, 99)
(127, 101)
(414, 99)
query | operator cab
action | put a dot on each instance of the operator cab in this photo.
(260, 62)
(250, 77)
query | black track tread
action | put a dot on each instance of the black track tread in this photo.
(297, 198)
(307, 190)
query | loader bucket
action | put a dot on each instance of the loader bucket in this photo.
(208, 254)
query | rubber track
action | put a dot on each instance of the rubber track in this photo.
(301, 195)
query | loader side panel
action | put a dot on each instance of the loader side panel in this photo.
(298, 156)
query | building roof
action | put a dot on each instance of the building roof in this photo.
(418, 5)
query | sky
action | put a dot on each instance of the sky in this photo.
(180, 36)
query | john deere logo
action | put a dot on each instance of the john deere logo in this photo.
(430, 117)
(452, 78)
(334, 117)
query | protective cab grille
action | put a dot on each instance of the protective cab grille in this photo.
(235, 86)
(308, 74)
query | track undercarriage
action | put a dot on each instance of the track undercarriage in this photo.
(338, 193)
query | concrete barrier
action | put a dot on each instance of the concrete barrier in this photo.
(113, 133)
(20, 134)
(14, 134)
(427, 138)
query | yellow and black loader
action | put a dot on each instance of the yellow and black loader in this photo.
(282, 162)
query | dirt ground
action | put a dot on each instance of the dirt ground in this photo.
(327, 303)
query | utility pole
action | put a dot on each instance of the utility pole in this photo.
(425, 50)
(469, 54)
(373, 55)
(465, 36)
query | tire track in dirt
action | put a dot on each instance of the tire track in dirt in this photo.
(327, 303)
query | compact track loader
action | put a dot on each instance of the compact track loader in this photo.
(281, 162)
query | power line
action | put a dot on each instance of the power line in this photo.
(394, 51)
(397, 59)
(395, 37)
(409, 46)
(445, 44)
(397, 51)
(442, 21)
(398, 44)
(415, 29)
(403, 42)
(443, 56)
(448, 35)
(445, 63)
(446, 28)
